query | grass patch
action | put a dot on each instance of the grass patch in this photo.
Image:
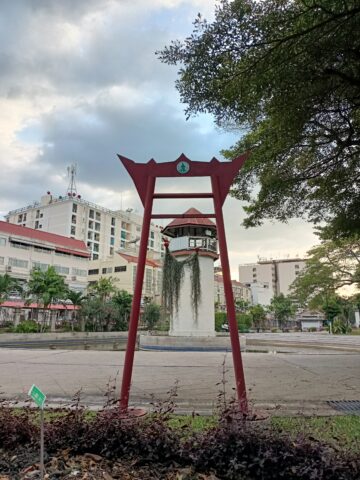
(196, 423)
(338, 431)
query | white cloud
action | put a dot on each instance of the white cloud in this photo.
(80, 82)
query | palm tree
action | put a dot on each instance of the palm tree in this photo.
(7, 285)
(77, 299)
(103, 288)
(46, 287)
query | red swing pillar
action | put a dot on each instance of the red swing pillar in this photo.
(135, 307)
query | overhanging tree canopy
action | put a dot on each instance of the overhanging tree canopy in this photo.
(288, 72)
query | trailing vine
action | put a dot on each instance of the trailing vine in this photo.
(173, 275)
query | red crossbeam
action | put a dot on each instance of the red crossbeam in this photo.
(183, 195)
(183, 215)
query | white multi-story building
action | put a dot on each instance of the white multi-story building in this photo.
(275, 275)
(23, 249)
(104, 231)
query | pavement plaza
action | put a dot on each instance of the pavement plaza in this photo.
(298, 382)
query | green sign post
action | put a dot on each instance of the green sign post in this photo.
(39, 398)
(37, 395)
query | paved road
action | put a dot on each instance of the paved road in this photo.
(311, 340)
(299, 382)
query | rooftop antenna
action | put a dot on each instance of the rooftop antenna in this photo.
(72, 170)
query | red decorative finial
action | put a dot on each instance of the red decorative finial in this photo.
(166, 243)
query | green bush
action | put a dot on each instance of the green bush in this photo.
(220, 319)
(340, 327)
(27, 326)
(151, 315)
(244, 322)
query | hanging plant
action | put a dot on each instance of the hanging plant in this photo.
(173, 275)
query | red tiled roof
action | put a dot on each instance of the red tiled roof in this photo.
(133, 259)
(70, 245)
(180, 222)
(16, 304)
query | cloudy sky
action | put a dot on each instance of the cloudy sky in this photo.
(80, 82)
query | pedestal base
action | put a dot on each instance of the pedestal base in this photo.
(188, 343)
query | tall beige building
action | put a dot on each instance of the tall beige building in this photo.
(275, 275)
(104, 231)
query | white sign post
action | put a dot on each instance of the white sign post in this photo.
(39, 398)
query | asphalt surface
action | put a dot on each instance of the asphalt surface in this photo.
(300, 382)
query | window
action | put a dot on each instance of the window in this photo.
(72, 230)
(297, 272)
(37, 214)
(107, 270)
(159, 281)
(37, 224)
(98, 216)
(112, 241)
(148, 280)
(297, 267)
(74, 208)
(111, 250)
(113, 221)
(79, 272)
(42, 250)
(97, 237)
(123, 235)
(20, 245)
(20, 218)
(121, 268)
(89, 244)
(94, 271)
(2, 241)
(95, 256)
(91, 224)
(16, 262)
(96, 247)
(152, 234)
(40, 266)
(62, 270)
(254, 269)
(90, 235)
(24, 217)
(91, 214)
(134, 275)
(73, 219)
(97, 227)
(122, 244)
(112, 232)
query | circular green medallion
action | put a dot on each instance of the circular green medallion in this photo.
(183, 167)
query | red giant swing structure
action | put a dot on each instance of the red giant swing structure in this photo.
(144, 176)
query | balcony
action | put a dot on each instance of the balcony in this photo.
(189, 243)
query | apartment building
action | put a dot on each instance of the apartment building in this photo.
(104, 231)
(122, 267)
(22, 249)
(240, 292)
(275, 275)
